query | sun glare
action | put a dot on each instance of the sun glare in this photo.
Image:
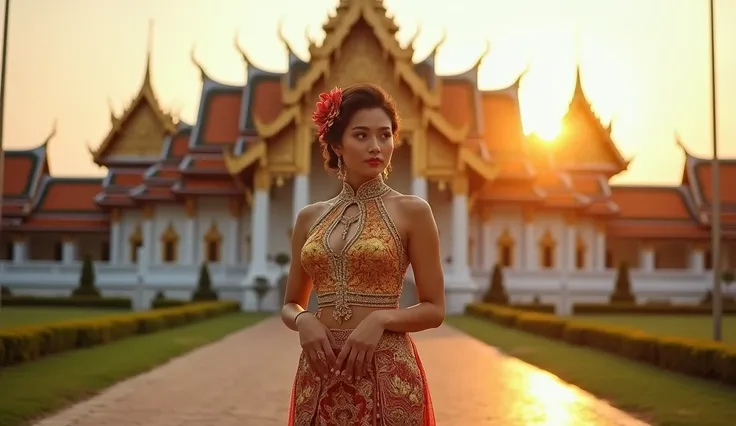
(547, 131)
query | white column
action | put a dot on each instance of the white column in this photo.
(647, 258)
(68, 251)
(301, 194)
(420, 188)
(20, 251)
(697, 260)
(232, 255)
(600, 250)
(564, 304)
(259, 232)
(115, 242)
(531, 259)
(460, 236)
(488, 246)
(148, 237)
(190, 251)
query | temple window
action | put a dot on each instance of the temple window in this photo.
(169, 244)
(9, 248)
(58, 251)
(105, 251)
(547, 246)
(212, 244)
(580, 253)
(471, 253)
(707, 260)
(505, 246)
(135, 241)
(609, 259)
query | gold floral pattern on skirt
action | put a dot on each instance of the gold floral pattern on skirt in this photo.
(394, 392)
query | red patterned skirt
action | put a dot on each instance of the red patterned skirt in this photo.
(394, 392)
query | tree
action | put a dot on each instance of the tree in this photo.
(622, 289)
(86, 287)
(204, 289)
(496, 293)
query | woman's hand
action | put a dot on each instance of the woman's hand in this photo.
(357, 354)
(316, 341)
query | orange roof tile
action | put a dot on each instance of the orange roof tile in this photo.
(66, 224)
(458, 105)
(69, 195)
(502, 127)
(266, 99)
(704, 174)
(222, 118)
(17, 174)
(652, 203)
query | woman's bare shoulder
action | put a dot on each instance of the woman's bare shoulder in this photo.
(411, 206)
(311, 212)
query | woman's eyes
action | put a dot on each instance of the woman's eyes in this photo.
(364, 135)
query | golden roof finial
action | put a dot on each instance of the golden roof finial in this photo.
(282, 37)
(113, 118)
(196, 63)
(149, 54)
(240, 49)
(441, 41)
(483, 55)
(52, 133)
(415, 37)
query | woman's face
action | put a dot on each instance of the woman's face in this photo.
(367, 144)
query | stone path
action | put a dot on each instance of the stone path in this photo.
(245, 379)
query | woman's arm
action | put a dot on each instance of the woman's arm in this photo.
(424, 255)
(298, 285)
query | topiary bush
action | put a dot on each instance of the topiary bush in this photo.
(496, 293)
(86, 286)
(204, 291)
(622, 288)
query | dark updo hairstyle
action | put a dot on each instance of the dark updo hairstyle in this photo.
(355, 98)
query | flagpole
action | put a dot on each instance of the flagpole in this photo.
(715, 230)
(2, 109)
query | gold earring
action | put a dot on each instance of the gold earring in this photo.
(340, 171)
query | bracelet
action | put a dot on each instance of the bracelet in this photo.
(297, 315)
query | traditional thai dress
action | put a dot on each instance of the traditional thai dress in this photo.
(368, 271)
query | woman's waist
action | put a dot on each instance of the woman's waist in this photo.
(358, 314)
(372, 298)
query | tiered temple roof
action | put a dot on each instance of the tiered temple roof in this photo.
(150, 157)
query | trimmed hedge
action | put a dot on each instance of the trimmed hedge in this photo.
(26, 343)
(648, 309)
(701, 358)
(69, 302)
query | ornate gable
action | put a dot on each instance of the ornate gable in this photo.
(138, 135)
(585, 144)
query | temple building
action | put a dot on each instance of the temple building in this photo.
(225, 189)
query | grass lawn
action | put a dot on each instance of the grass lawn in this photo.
(30, 390)
(699, 327)
(654, 395)
(15, 316)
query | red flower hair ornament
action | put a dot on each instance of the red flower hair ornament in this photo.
(327, 110)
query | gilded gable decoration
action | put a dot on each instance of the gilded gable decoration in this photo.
(213, 244)
(505, 247)
(169, 244)
(135, 241)
(547, 248)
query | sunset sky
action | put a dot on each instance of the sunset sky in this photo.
(644, 62)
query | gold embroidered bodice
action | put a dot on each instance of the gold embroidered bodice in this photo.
(369, 271)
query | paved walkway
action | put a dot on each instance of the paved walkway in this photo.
(245, 379)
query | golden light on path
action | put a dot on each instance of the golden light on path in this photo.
(554, 400)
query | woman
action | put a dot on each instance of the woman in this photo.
(358, 366)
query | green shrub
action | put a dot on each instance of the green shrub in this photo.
(26, 343)
(622, 289)
(496, 293)
(86, 286)
(204, 291)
